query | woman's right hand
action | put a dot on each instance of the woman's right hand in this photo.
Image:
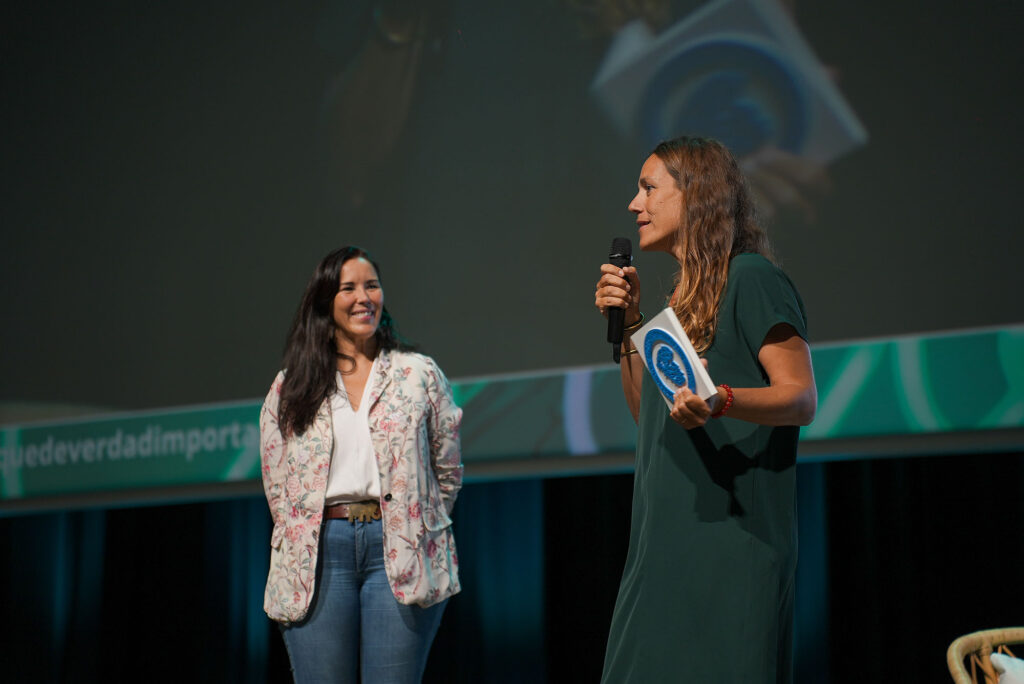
(619, 288)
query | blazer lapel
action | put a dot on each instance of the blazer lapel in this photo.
(325, 425)
(381, 378)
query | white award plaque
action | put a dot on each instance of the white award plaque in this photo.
(671, 359)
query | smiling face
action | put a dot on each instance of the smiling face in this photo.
(659, 205)
(358, 304)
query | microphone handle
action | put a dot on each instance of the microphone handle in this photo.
(616, 321)
(617, 316)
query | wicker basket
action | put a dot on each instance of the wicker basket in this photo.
(976, 648)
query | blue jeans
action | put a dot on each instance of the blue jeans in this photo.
(356, 630)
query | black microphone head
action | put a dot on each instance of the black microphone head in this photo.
(621, 252)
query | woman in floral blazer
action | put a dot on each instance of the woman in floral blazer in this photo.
(362, 553)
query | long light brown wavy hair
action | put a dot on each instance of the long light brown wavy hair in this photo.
(718, 224)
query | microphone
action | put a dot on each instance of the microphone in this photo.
(621, 255)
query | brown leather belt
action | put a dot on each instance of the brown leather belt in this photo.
(363, 511)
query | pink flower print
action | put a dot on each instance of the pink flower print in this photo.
(431, 548)
(405, 372)
(296, 597)
(399, 485)
(319, 483)
(393, 554)
(398, 594)
(293, 487)
(414, 511)
(294, 533)
(316, 519)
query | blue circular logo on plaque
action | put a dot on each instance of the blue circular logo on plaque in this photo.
(731, 89)
(668, 363)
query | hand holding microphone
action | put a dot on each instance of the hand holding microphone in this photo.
(618, 293)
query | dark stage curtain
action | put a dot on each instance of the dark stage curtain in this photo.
(922, 550)
(897, 558)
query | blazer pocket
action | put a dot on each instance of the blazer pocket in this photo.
(436, 520)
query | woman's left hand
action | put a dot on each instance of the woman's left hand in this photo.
(691, 411)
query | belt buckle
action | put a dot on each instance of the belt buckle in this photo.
(364, 511)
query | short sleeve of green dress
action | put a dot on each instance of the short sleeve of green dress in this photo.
(707, 590)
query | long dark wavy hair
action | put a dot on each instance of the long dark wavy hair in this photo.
(311, 354)
(718, 224)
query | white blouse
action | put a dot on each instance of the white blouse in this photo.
(353, 475)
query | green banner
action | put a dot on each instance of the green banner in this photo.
(920, 384)
(924, 384)
(163, 448)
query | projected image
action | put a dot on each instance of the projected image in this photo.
(735, 70)
(382, 49)
(740, 72)
(486, 151)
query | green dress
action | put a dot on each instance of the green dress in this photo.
(707, 590)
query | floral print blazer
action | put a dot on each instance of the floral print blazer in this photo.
(414, 429)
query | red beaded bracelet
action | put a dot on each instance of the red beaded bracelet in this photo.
(728, 402)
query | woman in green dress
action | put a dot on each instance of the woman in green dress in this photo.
(707, 590)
